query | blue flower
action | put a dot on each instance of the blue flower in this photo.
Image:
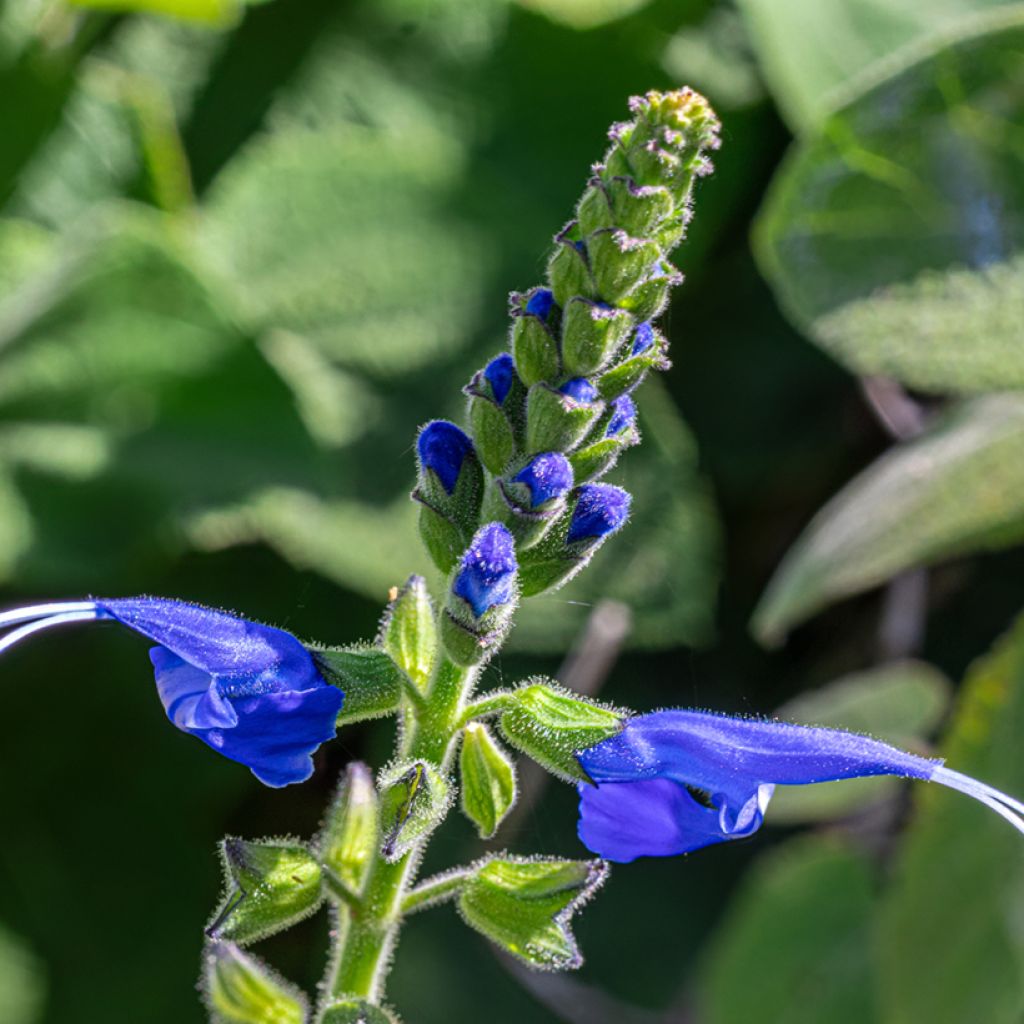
(600, 510)
(675, 781)
(500, 373)
(643, 338)
(579, 389)
(443, 447)
(251, 692)
(486, 577)
(623, 416)
(540, 302)
(547, 476)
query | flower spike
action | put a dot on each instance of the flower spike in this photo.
(251, 692)
(643, 802)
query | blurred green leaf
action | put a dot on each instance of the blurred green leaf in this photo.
(957, 489)
(814, 51)
(214, 12)
(900, 703)
(584, 14)
(951, 943)
(21, 982)
(893, 236)
(794, 947)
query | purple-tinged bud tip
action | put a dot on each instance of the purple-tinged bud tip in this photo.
(600, 511)
(548, 476)
(579, 389)
(643, 339)
(500, 372)
(443, 447)
(540, 302)
(487, 573)
(623, 416)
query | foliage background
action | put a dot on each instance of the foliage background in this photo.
(245, 252)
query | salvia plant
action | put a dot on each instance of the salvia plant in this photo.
(512, 503)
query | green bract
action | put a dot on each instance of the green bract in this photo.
(414, 798)
(239, 989)
(488, 779)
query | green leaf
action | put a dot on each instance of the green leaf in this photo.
(351, 831)
(22, 987)
(795, 945)
(240, 989)
(893, 236)
(488, 779)
(272, 885)
(955, 490)
(551, 725)
(414, 798)
(409, 632)
(524, 905)
(345, 236)
(370, 680)
(900, 703)
(951, 949)
(814, 51)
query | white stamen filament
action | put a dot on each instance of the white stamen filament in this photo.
(43, 611)
(1012, 810)
(17, 635)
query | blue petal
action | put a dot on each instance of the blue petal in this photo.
(643, 339)
(500, 372)
(601, 510)
(443, 447)
(579, 389)
(487, 574)
(246, 657)
(548, 476)
(540, 302)
(189, 695)
(278, 733)
(623, 415)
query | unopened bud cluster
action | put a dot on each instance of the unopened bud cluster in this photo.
(513, 507)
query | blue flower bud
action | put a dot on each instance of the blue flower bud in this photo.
(547, 476)
(443, 447)
(643, 339)
(500, 372)
(600, 511)
(579, 389)
(487, 574)
(251, 692)
(540, 302)
(623, 416)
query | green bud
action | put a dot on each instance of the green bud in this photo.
(350, 834)
(591, 336)
(353, 1010)
(619, 262)
(240, 989)
(371, 681)
(639, 209)
(534, 348)
(492, 433)
(409, 632)
(415, 797)
(524, 905)
(271, 886)
(551, 726)
(488, 779)
(569, 269)
(555, 422)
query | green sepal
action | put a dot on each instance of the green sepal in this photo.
(414, 798)
(555, 422)
(551, 725)
(631, 372)
(619, 262)
(534, 349)
(525, 905)
(640, 210)
(596, 459)
(488, 779)
(271, 886)
(507, 502)
(569, 268)
(443, 538)
(239, 989)
(371, 681)
(649, 298)
(468, 645)
(549, 572)
(353, 1010)
(492, 433)
(591, 336)
(409, 632)
(350, 834)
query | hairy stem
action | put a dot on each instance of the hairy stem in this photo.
(366, 937)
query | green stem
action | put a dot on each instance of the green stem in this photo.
(369, 932)
(434, 890)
